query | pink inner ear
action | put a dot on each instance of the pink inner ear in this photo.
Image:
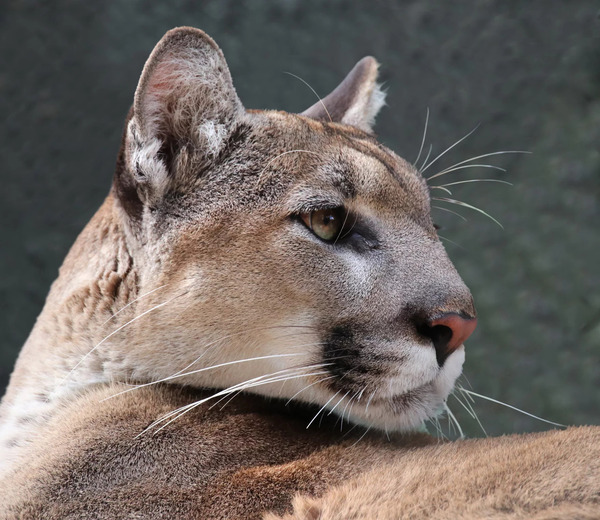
(164, 80)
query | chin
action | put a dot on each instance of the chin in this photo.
(408, 410)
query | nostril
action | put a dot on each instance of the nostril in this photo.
(447, 333)
(440, 336)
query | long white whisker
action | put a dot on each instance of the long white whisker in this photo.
(343, 225)
(427, 157)
(450, 211)
(134, 301)
(115, 332)
(361, 437)
(464, 167)
(307, 387)
(470, 392)
(454, 420)
(246, 384)
(344, 411)
(281, 378)
(170, 378)
(451, 242)
(470, 410)
(242, 386)
(322, 408)
(212, 344)
(448, 149)
(232, 388)
(314, 92)
(464, 204)
(443, 188)
(502, 152)
(183, 374)
(473, 180)
(422, 140)
(369, 402)
(336, 404)
(436, 424)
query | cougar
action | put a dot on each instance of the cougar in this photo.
(256, 323)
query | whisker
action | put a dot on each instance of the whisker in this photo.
(336, 404)
(443, 188)
(220, 365)
(467, 406)
(283, 379)
(473, 180)
(339, 234)
(427, 157)
(451, 242)
(115, 332)
(369, 402)
(344, 411)
(134, 301)
(212, 344)
(314, 92)
(464, 204)
(257, 381)
(464, 167)
(450, 211)
(356, 398)
(475, 394)
(451, 428)
(306, 388)
(502, 152)
(454, 420)
(277, 379)
(354, 426)
(448, 149)
(224, 391)
(422, 140)
(362, 436)
(183, 374)
(435, 421)
(322, 408)
(177, 414)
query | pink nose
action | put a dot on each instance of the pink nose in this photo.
(448, 332)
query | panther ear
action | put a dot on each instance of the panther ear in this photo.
(356, 100)
(185, 100)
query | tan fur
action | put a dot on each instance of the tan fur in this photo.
(199, 273)
(549, 475)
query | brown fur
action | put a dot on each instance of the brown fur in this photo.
(198, 271)
(251, 457)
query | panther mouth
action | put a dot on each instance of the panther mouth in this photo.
(370, 398)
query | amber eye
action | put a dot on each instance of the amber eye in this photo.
(327, 224)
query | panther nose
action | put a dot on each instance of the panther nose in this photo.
(448, 332)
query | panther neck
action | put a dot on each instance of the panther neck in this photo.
(66, 352)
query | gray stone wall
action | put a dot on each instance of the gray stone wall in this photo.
(528, 73)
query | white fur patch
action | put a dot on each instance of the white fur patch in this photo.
(363, 112)
(213, 135)
(143, 159)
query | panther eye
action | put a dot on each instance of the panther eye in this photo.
(327, 224)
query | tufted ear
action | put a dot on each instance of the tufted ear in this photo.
(356, 100)
(185, 101)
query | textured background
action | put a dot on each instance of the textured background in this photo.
(527, 72)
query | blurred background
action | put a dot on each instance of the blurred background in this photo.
(528, 73)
